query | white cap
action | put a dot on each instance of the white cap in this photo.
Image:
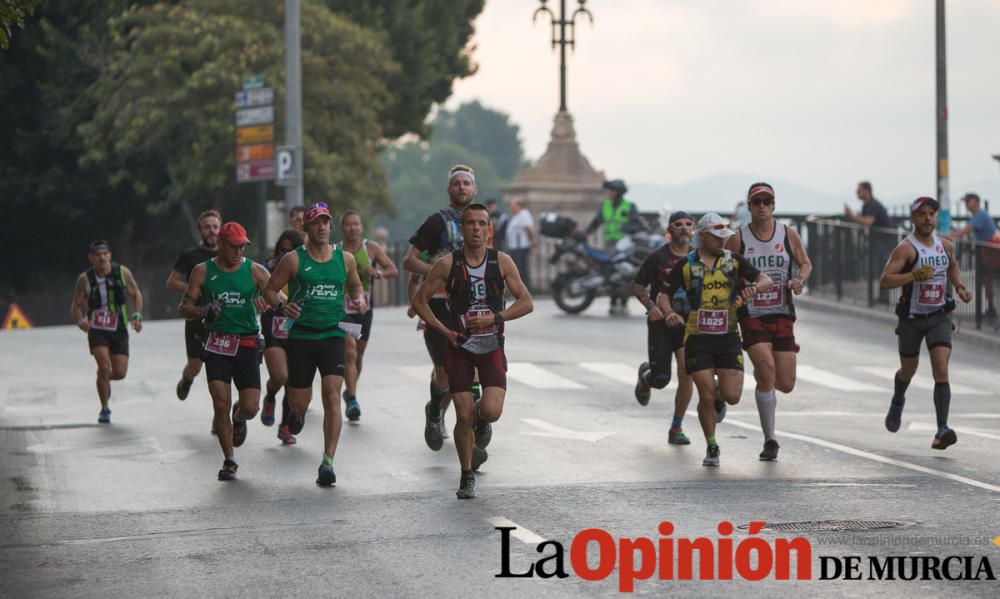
(714, 224)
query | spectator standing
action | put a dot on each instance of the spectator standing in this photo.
(520, 238)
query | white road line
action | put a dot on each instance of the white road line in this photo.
(539, 378)
(814, 375)
(918, 381)
(871, 456)
(520, 533)
(617, 371)
(551, 430)
(927, 426)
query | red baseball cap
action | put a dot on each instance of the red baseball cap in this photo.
(760, 189)
(317, 210)
(922, 201)
(234, 233)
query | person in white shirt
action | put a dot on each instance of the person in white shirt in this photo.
(520, 238)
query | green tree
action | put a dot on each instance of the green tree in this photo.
(12, 14)
(484, 131)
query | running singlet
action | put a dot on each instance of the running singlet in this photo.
(363, 261)
(711, 291)
(486, 339)
(234, 292)
(106, 298)
(928, 297)
(772, 258)
(318, 288)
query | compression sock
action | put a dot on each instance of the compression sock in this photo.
(942, 402)
(710, 439)
(676, 422)
(436, 396)
(767, 401)
(328, 459)
(899, 394)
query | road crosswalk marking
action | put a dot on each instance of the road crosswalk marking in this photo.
(919, 381)
(533, 375)
(817, 376)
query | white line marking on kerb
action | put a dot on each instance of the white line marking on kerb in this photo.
(539, 378)
(817, 376)
(520, 533)
(872, 456)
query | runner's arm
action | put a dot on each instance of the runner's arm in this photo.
(175, 282)
(353, 286)
(674, 282)
(955, 273)
(413, 263)
(436, 279)
(260, 278)
(192, 293)
(78, 309)
(132, 289)
(379, 257)
(734, 242)
(893, 275)
(287, 266)
(523, 305)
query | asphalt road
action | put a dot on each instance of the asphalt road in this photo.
(134, 508)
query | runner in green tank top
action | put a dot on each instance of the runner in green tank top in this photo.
(317, 275)
(372, 263)
(231, 284)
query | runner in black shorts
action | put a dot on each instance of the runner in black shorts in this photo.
(717, 281)
(665, 341)
(231, 285)
(194, 331)
(275, 332)
(99, 310)
(372, 263)
(317, 275)
(924, 264)
(475, 278)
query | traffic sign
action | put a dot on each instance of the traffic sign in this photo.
(253, 82)
(249, 135)
(262, 115)
(247, 172)
(285, 171)
(15, 319)
(248, 98)
(254, 152)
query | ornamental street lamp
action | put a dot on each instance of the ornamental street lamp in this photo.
(563, 40)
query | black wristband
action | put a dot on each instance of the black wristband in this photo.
(498, 318)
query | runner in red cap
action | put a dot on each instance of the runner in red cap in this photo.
(231, 285)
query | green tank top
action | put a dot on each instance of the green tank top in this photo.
(318, 288)
(363, 261)
(235, 291)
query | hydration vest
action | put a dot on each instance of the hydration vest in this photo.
(115, 286)
(694, 276)
(459, 285)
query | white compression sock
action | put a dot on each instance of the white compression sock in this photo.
(767, 402)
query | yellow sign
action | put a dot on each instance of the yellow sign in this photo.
(15, 319)
(250, 135)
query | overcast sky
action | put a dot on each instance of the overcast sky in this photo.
(822, 93)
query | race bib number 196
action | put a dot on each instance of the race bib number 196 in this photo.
(222, 344)
(713, 322)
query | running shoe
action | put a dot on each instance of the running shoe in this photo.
(444, 428)
(228, 471)
(770, 452)
(944, 439)
(641, 388)
(239, 428)
(894, 418)
(483, 431)
(105, 416)
(353, 408)
(183, 388)
(467, 486)
(326, 475)
(267, 414)
(479, 456)
(432, 429)
(720, 407)
(295, 422)
(711, 456)
(287, 438)
(676, 436)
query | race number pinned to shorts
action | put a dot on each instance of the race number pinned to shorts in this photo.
(104, 320)
(222, 344)
(930, 294)
(769, 299)
(279, 327)
(713, 322)
(481, 331)
(351, 307)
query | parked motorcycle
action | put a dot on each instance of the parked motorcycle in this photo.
(586, 272)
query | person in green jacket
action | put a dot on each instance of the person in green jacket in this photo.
(620, 218)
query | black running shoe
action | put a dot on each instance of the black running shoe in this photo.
(467, 486)
(228, 471)
(183, 388)
(295, 422)
(484, 433)
(944, 439)
(641, 388)
(432, 429)
(711, 456)
(770, 452)
(479, 456)
(326, 477)
(239, 428)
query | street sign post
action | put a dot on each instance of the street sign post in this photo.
(248, 98)
(250, 135)
(255, 152)
(253, 82)
(261, 115)
(286, 171)
(249, 172)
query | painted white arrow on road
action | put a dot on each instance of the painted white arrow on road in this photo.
(551, 430)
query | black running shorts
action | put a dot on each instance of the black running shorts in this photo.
(243, 369)
(365, 320)
(194, 338)
(704, 352)
(935, 331)
(115, 341)
(305, 356)
(437, 344)
(266, 328)
(462, 367)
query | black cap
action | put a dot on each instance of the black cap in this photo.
(99, 244)
(615, 185)
(679, 215)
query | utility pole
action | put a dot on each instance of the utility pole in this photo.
(943, 187)
(293, 100)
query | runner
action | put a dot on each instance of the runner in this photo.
(316, 274)
(99, 310)
(923, 264)
(474, 330)
(440, 235)
(663, 340)
(209, 222)
(716, 281)
(768, 321)
(275, 334)
(372, 263)
(230, 285)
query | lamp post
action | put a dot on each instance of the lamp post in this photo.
(562, 40)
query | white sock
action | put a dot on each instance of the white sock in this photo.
(767, 401)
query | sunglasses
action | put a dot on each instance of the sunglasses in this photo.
(682, 224)
(761, 201)
(284, 250)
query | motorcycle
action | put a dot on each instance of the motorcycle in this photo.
(586, 272)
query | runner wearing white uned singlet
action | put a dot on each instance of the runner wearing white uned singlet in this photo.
(767, 322)
(924, 264)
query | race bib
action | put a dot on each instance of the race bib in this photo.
(769, 299)
(351, 307)
(482, 331)
(222, 344)
(930, 294)
(713, 322)
(104, 320)
(279, 327)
